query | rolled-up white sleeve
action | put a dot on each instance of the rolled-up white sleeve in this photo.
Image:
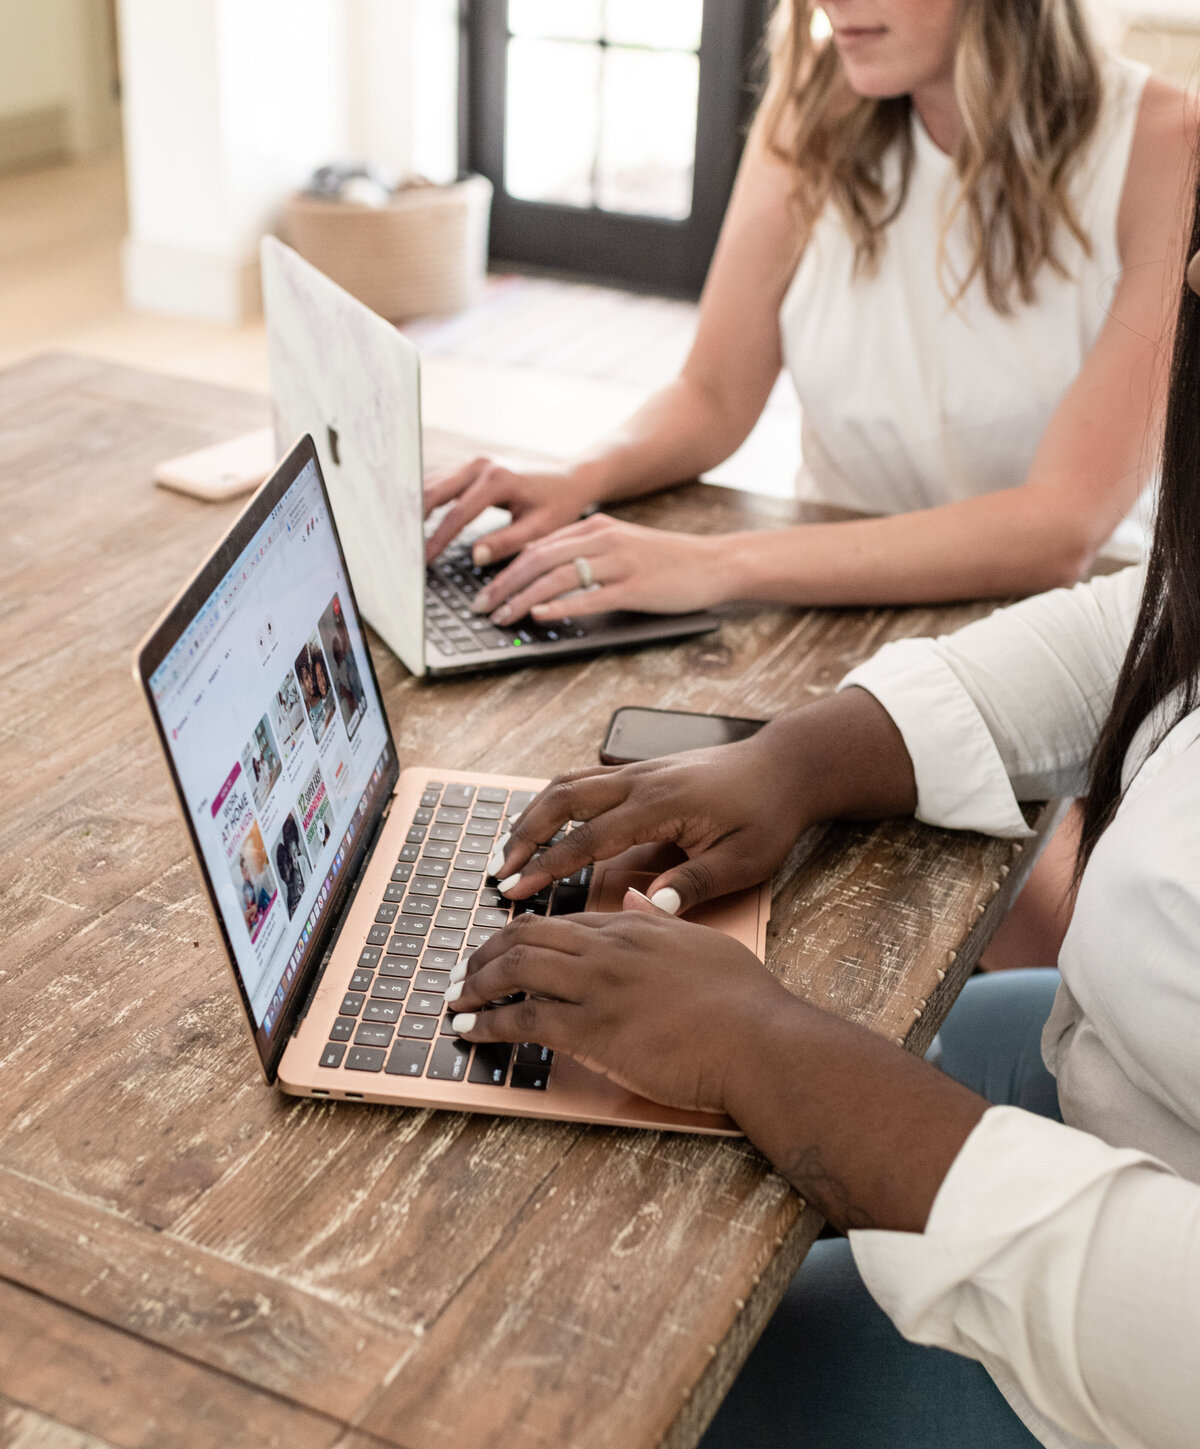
(1010, 707)
(1070, 1269)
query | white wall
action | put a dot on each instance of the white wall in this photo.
(230, 104)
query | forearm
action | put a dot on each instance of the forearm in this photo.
(863, 1130)
(1017, 542)
(840, 757)
(680, 432)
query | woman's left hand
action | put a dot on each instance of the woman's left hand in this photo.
(663, 1007)
(632, 568)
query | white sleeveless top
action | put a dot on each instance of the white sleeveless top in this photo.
(908, 402)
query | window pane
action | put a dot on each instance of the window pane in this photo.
(552, 120)
(663, 24)
(648, 139)
(565, 19)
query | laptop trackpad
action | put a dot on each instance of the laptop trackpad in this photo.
(736, 914)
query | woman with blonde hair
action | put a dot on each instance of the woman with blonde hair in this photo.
(955, 223)
(958, 225)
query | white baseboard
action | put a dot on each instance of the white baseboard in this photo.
(178, 282)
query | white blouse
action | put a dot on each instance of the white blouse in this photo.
(909, 402)
(1067, 1259)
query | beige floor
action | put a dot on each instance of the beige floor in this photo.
(60, 288)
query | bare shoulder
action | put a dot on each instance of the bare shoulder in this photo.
(1159, 183)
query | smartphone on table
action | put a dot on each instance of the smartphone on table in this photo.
(637, 733)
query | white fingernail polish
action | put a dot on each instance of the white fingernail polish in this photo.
(453, 993)
(496, 859)
(464, 1021)
(508, 882)
(502, 615)
(459, 973)
(667, 900)
(480, 604)
(482, 554)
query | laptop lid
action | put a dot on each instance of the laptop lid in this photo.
(269, 712)
(347, 377)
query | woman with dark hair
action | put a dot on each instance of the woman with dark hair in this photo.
(1043, 1225)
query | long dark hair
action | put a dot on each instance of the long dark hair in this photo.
(1164, 652)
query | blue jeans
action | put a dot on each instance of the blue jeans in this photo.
(830, 1371)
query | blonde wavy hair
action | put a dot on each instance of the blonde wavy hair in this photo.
(1028, 84)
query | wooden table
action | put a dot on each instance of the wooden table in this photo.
(188, 1258)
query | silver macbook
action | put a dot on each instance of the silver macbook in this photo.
(351, 380)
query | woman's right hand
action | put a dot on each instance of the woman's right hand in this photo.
(734, 810)
(730, 809)
(539, 503)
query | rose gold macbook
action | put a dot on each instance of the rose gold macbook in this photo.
(343, 887)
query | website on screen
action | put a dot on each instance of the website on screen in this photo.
(277, 734)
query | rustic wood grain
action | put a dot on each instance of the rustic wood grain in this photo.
(380, 1276)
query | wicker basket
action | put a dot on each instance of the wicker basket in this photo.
(424, 252)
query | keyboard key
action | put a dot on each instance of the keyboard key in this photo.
(410, 926)
(489, 897)
(491, 1063)
(422, 816)
(381, 1011)
(396, 966)
(351, 1004)
(525, 1075)
(519, 800)
(389, 989)
(530, 1054)
(439, 869)
(368, 955)
(408, 853)
(430, 798)
(477, 845)
(458, 794)
(386, 913)
(378, 935)
(424, 1005)
(404, 946)
(342, 1029)
(407, 1058)
(425, 886)
(435, 784)
(447, 1029)
(420, 906)
(442, 940)
(445, 832)
(449, 1060)
(479, 934)
(361, 980)
(491, 795)
(465, 880)
(430, 980)
(439, 960)
(395, 892)
(424, 1027)
(364, 1059)
(455, 920)
(451, 815)
(471, 861)
(488, 811)
(416, 834)
(531, 907)
(371, 1035)
(439, 850)
(332, 1055)
(489, 916)
(459, 900)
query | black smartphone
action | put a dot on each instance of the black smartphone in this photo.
(635, 733)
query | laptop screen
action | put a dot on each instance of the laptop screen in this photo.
(269, 709)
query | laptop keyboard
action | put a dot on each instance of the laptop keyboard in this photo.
(438, 907)
(450, 585)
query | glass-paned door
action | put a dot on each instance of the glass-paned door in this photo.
(610, 129)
